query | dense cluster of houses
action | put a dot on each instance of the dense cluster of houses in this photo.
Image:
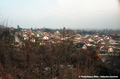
(80, 41)
(98, 42)
(45, 36)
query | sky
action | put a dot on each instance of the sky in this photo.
(72, 14)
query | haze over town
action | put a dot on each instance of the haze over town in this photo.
(73, 14)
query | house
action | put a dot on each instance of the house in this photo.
(62, 38)
(118, 34)
(104, 48)
(99, 47)
(77, 36)
(87, 42)
(81, 46)
(106, 37)
(51, 35)
(101, 42)
(67, 36)
(36, 34)
(54, 40)
(24, 35)
(26, 38)
(100, 38)
(90, 39)
(45, 34)
(117, 39)
(111, 41)
(107, 49)
(28, 32)
(87, 36)
(38, 31)
(57, 33)
(95, 36)
(32, 40)
(96, 40)
(45, 37)
(32, 34)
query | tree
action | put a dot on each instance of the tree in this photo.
(31, 28)
(47, 30)
(64, 31)
(19, 28)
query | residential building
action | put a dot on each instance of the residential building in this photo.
(81, 46)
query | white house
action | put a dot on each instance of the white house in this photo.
(37, 35)
(32, 40)
(45, 38)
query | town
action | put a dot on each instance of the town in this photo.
(105, 42)
(57, 53)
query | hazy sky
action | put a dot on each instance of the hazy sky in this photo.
(71, 14)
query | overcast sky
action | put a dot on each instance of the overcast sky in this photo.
(73, 14)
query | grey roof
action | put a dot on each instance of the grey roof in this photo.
(80, 45)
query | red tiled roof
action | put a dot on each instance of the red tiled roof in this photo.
(105, 48)
(101, 41)
(87, 41)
